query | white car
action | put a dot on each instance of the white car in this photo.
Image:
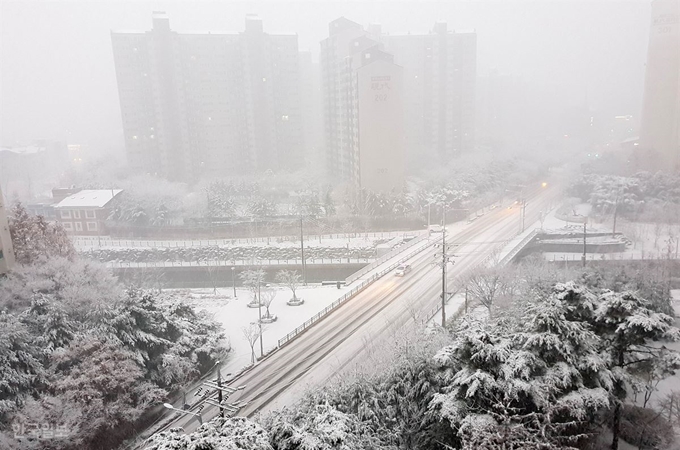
(402, 270)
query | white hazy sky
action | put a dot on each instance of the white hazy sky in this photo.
(57, 79)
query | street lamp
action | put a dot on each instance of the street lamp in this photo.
(233, 279)
(198, 416)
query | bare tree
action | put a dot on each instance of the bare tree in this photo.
(252, 279)
(670, 407)
(489, 284)
(212, 275)
(251, 333)
(290, 278)
(267, 296)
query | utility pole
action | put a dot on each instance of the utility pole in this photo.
(259, 312)
(524, 209)
(219, 391)
(616, 210)
(444, 257)
(302, 253)
(584, 241)
(428, 216)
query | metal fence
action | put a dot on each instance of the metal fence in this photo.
(228, 263)
(95, 241)
(287, 338)
(364, 270)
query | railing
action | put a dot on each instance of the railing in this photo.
(518, 248)
(364, 270)
(293, 334)
(228, 263)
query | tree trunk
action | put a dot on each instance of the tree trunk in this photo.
(616, 426)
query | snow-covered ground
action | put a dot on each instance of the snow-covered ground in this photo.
(648, 240)
(233, 314)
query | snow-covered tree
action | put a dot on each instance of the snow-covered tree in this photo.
(291, 279)
(628, 327)
(254, 281)
(236, 433)
(34, 238)
(21, 368)
(487, 285)
(261, 207)
(541, 370)
(267, 296)
(322, 427)
(102, 387)
(251, 334)
(80, 285)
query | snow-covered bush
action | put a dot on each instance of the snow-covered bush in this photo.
(236, 433)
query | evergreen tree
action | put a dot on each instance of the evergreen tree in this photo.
(34, 238)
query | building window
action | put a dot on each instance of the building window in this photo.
(89, 214)
(65, 214)
(91, 226)
(68, 226)
(79, 226)
(76, 214)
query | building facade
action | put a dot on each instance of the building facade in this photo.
(84, 213)
(363, 109)
(432, 98)
(6, 249)
(440, 72)
(660, 121)
(207, 103)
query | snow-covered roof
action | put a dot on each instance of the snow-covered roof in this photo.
(89, 198)
(27, 150)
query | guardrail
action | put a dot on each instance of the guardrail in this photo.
(293, 334)
(518, 248)
(228, 263)
(364, 270)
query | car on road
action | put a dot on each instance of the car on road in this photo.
(436, 229)
(402, 270)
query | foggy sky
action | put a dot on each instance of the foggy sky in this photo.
(57, 78)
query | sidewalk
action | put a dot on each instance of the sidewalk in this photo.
(233, 314)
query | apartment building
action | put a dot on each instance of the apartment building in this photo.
(209, 103)
(432, 98)
(363, 109)
(660, 121)
(6, 249)
(440, 72)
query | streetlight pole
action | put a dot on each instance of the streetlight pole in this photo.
(259, 312)
(219, 390)
(443, 266)
(302, 255)
(233, 280)
(198, 416)
(585, 222)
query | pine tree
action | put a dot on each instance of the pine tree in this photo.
(628, 328)
(34, 238)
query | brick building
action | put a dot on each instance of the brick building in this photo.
(84, 213)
